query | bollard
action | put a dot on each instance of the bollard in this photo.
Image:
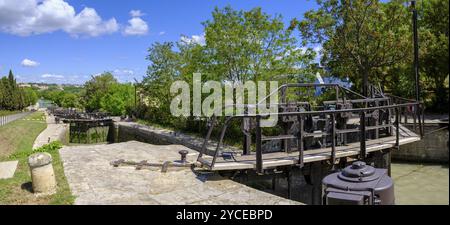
(42, 174)
(183, 154)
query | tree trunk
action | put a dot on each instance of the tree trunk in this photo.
(365, 83)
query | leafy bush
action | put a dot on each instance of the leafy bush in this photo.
(49, 148)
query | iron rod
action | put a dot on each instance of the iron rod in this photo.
(397, 128)
(362, 126)
(333, 139)
(259, 163)
(416, 50)
(208, 135)
(300, 142)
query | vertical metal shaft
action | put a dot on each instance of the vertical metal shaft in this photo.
(333, 139)
(362, 133)
(416, 50)
(418, 110)
(397, 128)
(300, 141)
(259, 161)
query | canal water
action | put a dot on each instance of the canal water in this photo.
(420, 184)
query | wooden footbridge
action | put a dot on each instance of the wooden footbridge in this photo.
(339, 128)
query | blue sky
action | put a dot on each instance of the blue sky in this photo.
(67, 41)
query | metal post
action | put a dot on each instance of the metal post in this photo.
(259, 163)
(377, 121)
(247, 142)
(421, 117)
(416, 65)
(135, 96)
(397, 128)
(362, 131)
(208, 136)
(300, 141)
(423, 121)
(333, 139)
(289, 177)
(416, 50)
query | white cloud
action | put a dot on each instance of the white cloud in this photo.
(136, 26)
(28, 17)
(29, 63)
(90, 23)
(136, 13)
(123, 72)
(194, 39)
(161, 33)
(47, 75)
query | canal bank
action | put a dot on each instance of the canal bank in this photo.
(432, 148)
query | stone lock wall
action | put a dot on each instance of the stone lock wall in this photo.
(433, 148)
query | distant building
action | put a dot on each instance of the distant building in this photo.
(24, 85)
(40, 86)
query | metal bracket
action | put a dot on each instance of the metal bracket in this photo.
(145, 165)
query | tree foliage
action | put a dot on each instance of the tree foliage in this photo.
(359, 38)
(433, 52)
(105, 93)
(373, 39)
(13, 97)
(249, 45)
(239, 46)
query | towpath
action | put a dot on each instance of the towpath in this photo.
(53, 132)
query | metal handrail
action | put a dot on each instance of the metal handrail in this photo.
(258, 117)
(418, 111)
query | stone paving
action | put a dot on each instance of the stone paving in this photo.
(94, 181)
(7, 169)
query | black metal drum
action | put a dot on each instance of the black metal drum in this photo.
(358, 184)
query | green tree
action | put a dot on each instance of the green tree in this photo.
(119, 100)
(12, 94)
(433, 53)
(104, 93)
(250, 45)
(239, 46)
(164, 68)
(96, 89)
(69, 100)
(30, 97)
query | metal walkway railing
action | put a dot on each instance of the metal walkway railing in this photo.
(393, 121)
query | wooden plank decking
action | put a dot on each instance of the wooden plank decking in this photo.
(271, 160)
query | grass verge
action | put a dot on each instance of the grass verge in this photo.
(16, 141)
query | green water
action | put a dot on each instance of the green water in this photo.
(420, 184)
